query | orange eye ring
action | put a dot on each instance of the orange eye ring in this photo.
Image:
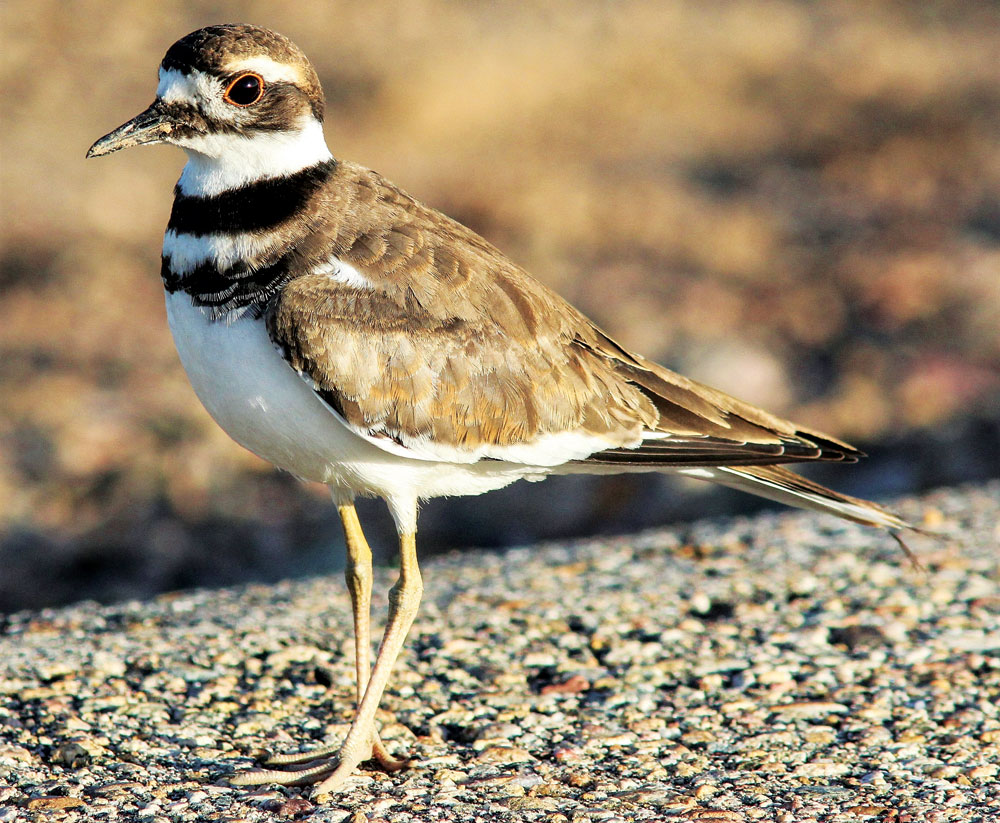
(245, 90)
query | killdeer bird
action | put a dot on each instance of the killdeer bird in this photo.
(351, 335)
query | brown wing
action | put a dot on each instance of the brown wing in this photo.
(391, 368)
(454, 346)
(709, 427)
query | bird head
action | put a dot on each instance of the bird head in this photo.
(243, 102)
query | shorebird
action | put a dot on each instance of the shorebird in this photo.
(352, 335)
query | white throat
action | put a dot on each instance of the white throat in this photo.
(218, 162)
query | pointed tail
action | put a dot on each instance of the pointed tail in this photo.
(783, 486)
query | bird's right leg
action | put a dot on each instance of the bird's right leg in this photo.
(359, 583)
(404, 600)
(317, 762)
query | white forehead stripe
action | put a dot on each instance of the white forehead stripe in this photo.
(176, 85)
(268, 69)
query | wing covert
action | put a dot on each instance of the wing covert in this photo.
(443, 349)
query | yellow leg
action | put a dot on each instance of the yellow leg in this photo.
(359, 583)
(316, 763)
(404, 601)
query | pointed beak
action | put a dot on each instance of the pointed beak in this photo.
(152, 126)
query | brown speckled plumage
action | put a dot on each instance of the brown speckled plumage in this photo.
(456, 343)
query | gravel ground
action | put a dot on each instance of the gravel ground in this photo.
(786, 667)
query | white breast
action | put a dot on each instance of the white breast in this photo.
(260, 401)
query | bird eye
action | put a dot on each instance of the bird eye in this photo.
(245, 90)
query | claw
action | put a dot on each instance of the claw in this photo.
(298, 758)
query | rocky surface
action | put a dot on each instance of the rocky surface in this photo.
(782, 668)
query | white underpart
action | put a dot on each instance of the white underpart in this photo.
(188, 251)
(259, 400)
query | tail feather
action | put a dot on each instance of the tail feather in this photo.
(784, 486)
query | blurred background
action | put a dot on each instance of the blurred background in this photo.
(798, 202)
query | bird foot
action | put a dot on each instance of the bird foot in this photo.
(332, 765)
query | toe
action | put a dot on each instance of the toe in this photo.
(292, 777)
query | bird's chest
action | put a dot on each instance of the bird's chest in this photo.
(252, 393)
(222, 272)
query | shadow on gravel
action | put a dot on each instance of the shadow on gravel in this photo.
(147, 547)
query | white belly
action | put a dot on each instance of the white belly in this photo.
(259, 400)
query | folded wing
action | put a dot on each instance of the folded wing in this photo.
(442, 349)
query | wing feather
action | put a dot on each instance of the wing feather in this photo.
(452, 351)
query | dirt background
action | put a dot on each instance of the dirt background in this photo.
(797, 202)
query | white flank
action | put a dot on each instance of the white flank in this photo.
(219, 162)
(546, 452)
(188, 251)
(556, 448)
(700, 473)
